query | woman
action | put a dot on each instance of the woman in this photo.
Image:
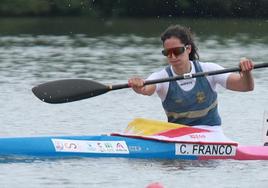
(191, 101)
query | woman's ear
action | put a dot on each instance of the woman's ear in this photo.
(188, 48)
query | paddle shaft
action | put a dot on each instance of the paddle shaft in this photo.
(187, 76)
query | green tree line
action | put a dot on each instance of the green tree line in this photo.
(136, 8)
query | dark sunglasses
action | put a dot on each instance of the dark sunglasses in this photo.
(176, 51)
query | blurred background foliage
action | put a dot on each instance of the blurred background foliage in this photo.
(136, 8)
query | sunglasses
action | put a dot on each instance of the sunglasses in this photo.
(176, 51)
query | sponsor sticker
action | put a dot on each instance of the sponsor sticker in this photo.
(205, 149)
(84, 146)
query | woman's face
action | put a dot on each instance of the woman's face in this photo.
(177, 53)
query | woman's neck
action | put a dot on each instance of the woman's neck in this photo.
(182, 69)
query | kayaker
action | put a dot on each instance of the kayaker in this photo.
(191, 101)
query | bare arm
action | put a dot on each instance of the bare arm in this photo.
(243, 81)
(137, 85)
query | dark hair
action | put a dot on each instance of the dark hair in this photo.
(185, 35)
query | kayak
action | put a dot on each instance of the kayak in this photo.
(124, 147)
(143, 138)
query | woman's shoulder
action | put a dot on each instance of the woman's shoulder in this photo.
(158, 74)
(208, 66)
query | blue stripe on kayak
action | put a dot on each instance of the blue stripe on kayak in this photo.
(43, 147)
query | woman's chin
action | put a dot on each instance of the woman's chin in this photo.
(175, 63)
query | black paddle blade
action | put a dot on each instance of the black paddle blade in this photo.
(69, 90)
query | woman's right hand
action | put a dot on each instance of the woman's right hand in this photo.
(137, 84)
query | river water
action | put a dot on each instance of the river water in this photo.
(34, 51)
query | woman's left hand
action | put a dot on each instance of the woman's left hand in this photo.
(246, 65)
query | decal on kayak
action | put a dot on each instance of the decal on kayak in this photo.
(205, 149)
(171, 132)
(84, 146)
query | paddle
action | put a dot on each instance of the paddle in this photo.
(63, 91)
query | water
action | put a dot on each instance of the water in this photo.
(29, 57)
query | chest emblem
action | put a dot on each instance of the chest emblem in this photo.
(200, 97)
(179, 101)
